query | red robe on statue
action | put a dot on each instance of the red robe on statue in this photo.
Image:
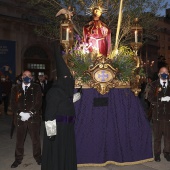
(98, 36)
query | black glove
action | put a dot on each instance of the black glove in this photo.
(51, 138)
(79, 90)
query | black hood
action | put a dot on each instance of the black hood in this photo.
(65, 80)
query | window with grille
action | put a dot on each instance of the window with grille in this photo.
(36, 66)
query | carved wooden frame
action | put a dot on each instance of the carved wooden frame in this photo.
(103, 75)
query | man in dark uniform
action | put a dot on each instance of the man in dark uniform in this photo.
(26, 100)
(159, 96)
(59, 148)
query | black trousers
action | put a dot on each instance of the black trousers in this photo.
(161, 128)
(6, 103)
(34, 131)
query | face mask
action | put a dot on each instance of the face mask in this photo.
(27, 80)
(164, 76)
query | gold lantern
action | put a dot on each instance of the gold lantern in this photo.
(137, 33)
(66, 37)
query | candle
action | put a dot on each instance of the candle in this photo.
(67, 34)
(136, 36)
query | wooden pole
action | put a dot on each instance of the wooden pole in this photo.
(118, 25)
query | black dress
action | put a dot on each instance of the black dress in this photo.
(60, 154)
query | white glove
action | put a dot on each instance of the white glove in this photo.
(51, 127)
(76, 97)
(24, 116)
(166, 98)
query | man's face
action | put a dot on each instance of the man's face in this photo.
(26, 74)
(163, 70)
(41, 78)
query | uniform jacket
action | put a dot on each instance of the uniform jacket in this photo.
(161, 109)
(31, 101)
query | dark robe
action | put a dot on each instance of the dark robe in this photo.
(60, 154)
(46, 86)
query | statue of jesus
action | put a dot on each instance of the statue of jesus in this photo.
(97, 34)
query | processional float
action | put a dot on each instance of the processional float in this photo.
(102, 74)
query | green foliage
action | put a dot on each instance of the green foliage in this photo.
(81, 59)
(80, 65)
(125, 50)
(124, 62)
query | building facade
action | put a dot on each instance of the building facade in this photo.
(20, 47)
(155, 51)
(164, 37)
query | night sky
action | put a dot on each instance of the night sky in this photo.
(162, 12)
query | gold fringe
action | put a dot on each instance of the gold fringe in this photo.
(116, 163)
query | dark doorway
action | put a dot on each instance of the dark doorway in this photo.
(36, 61)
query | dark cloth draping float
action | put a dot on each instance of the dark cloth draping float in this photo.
(116, 132)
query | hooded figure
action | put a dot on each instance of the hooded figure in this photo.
(59, 149)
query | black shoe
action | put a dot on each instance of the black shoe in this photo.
(167, 156)
(157, 158)
(39, 162)
(15, 164)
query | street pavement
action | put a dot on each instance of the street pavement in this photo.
(7, 149)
